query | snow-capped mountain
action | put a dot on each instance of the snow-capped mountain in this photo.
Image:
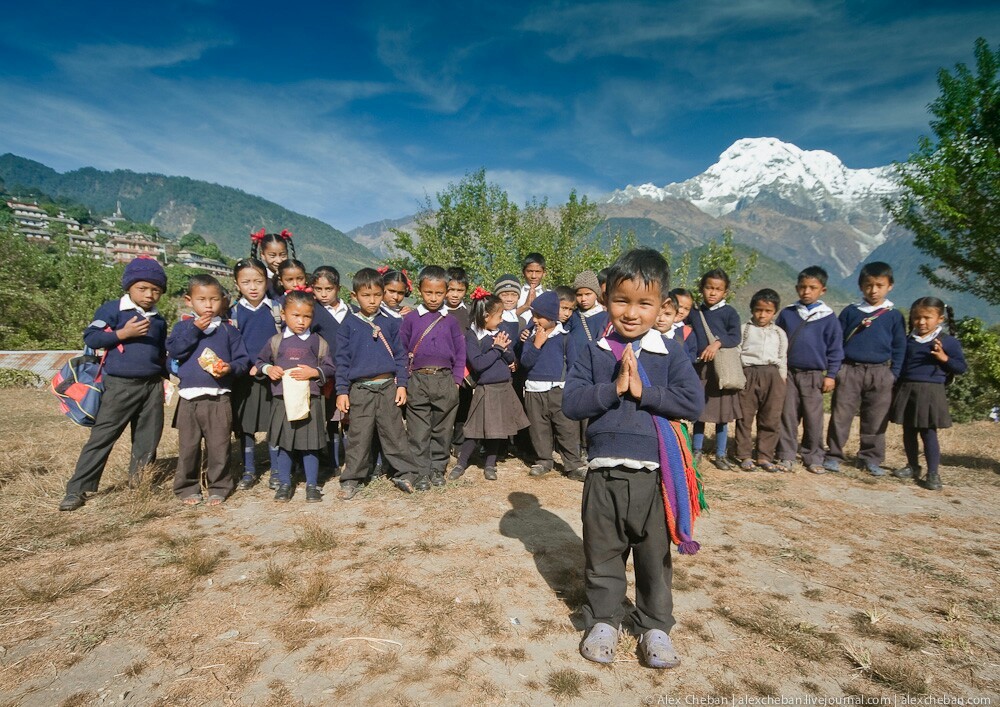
(786, 201)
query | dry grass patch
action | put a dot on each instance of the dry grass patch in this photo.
(564, 684)
(328, 658)
(79, 699)
(314, 589)
(311, 536)
(510, 655)
(799, 638)
(296, 634)
(53, 586)
(893, 673)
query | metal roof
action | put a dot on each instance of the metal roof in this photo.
(44, 364)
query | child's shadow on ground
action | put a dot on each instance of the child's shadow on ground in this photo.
(555, 546)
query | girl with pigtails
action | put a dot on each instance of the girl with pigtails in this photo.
(272, 249)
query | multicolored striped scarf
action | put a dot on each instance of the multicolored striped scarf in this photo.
(683, 495)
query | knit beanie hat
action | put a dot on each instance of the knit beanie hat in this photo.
(546, 305)
(507, 283)
(588, 281)
(144, 269)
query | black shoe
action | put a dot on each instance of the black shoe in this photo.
(490, 473)
(437, 479)
(348, 490)
(72, 501)
(422, 484)
(722, 464)
(404, 485)
(907, 472)
(283, 494)
(933, 481)
(273, 482)
(578, 474)
(456, 473)
(313, 494)
(539, 470)
(248, 481)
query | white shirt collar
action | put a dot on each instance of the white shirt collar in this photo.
(338, 311)
(651, 341)
(288, 333)
(869, 308)
(212, 325)
(461, 305)
(670, 334)
(510, 315)
(596, 309)
(483, 333)
(422, 310)
(928, 337)
(556, 330)
(263, 303)
(718, 305)
(388, 311)
(818, 312)
(126, 303)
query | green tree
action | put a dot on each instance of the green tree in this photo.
(720, 254)
(475, 225)
(951, 185)
(972, 395)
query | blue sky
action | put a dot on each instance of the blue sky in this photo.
(352, 112)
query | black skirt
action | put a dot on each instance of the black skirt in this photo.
(921, 405)
(252, 405)
(306, 435)
(495, 412)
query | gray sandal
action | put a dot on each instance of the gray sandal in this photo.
(600, 643)
(656, 649)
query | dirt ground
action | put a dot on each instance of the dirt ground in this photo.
(808, 586)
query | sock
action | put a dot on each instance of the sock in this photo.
(911, 447)
(310, 463)
(932, 449)
(465, 453)
(284, 466)
(249, 461)
(721, 439)
(698, 440)
(273, 453)
(492, 446)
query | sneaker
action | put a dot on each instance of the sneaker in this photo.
(539, 470)
(816, 469)
(283, 494)
(456, 473)
(348, 490)
(490, 473)
(72, 501)
(313, 494)
(272, 481)
(600, 643)
(933, 481)
(247, 481)
(657, 650)
(907, 472)
(437, 479)
(422, 484)
(832, 464)
(578, 474)
(404, 485)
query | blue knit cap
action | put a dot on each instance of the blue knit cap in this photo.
(546, 305)
(144, 269)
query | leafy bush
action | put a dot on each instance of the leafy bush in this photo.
(972, 395)
(16, 378)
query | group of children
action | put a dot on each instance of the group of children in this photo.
(616, 360)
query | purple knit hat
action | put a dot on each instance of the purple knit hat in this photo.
(144, 269)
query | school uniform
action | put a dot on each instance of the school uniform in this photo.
(586, 327)
(461, 314)
(495, 412)
(522, 298)
(874, 346)
(763, 353)
(371, 364)
(921, 400)
(204, 410)
(815, 352)
(623, 508)
(545, 370)
(436, 348)
(721, 406)
(251, 395)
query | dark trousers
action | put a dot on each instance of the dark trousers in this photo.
(544, 411)
(763, 398)
(375, 409)
(464, 402)
(431, 407)
(210, 418)
(135, 402)
(623, 512)
(803, 401)
(867, 386)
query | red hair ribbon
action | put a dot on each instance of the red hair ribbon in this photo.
(382, 270)
(409, 283)
(285, 234)
(479, 293)
(302, 288)
(258, 236)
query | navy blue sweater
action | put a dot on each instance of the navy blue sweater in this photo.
(920, 365)
(488, 363)
(362, 355)
(292, 352)
(141, 357)
(256, 327)
(550, 362)
(818, 347)
(186, 343)
(579, 326)
(327, 326)
(881, 341)
(724, 323)
(620, 427)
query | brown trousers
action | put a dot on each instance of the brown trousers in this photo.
(544, 411)
(803, 401)
(431, 406)
(763, 398)
(867, 386)
(210, 418)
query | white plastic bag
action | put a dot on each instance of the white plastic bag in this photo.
(296, 397)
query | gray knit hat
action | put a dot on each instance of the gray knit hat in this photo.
(507, 283)
(587, 280)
